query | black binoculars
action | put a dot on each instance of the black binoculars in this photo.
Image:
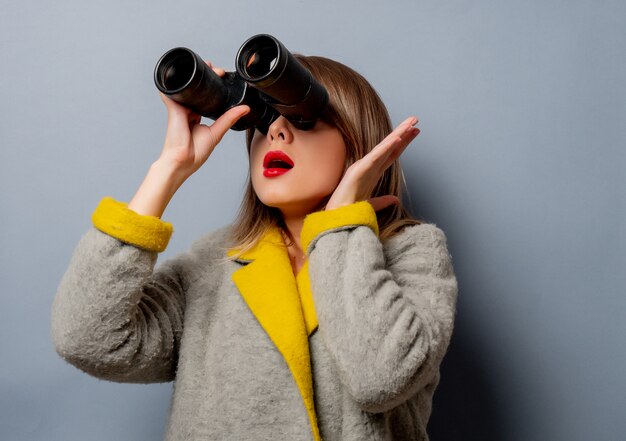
(268, 79)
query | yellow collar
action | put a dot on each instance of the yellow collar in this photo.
(283, 305)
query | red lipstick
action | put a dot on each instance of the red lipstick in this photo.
(276, 163)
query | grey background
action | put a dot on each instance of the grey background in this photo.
(520, 160)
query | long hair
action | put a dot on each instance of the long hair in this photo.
(356, 110)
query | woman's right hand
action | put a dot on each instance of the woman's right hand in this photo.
(188, 144)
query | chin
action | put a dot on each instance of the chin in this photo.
(274, 200)
(280, 203)
(292, 204)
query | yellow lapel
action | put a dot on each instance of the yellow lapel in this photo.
(283, 305)
(306, 298)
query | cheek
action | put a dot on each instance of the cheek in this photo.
(255, 142)
(331, 163)
(328, 166)
(337, 156)
(254, 156)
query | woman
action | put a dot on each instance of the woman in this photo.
(322, 312)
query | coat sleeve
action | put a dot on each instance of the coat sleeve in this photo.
(385, 317)
(113, 315)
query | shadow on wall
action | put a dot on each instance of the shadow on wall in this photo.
(464, 404)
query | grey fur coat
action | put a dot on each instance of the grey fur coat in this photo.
(348, 350)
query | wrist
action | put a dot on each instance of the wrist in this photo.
(157, 188)
(169, 171)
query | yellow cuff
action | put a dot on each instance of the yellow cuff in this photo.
(116, 219)
(358, 213)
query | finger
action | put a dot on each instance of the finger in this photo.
(227, 120)
(382, 150)
(405, 126)
(166, 99)
(412, 120)
(405, 132)
(408, 136)
(218, 70)
(380, 202)
(400, 147)
(204, 136)
(391, 147)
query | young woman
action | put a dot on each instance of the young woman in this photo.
(322, 312)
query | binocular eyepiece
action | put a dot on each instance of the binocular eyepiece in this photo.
(268, 78)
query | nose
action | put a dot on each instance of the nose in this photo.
(280, 129)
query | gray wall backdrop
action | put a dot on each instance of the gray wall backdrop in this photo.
(520, 160)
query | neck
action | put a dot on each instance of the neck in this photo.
(293, 219)
(292, 229)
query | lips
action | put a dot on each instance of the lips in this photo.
(277, 159)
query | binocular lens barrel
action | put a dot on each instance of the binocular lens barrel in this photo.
(259, 63)
(177, 70)
(186, 78)
(283, 83)
(268, 79)
(266, 64)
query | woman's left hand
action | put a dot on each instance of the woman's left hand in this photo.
(360, 179)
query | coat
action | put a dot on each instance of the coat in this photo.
(349, 349)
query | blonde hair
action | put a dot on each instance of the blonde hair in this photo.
(356, 110)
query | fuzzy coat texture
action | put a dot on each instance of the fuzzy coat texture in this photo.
(349, 349)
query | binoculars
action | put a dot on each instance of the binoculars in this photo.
(268, 79)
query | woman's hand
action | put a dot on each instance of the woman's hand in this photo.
(361, 178)
(188, 144)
